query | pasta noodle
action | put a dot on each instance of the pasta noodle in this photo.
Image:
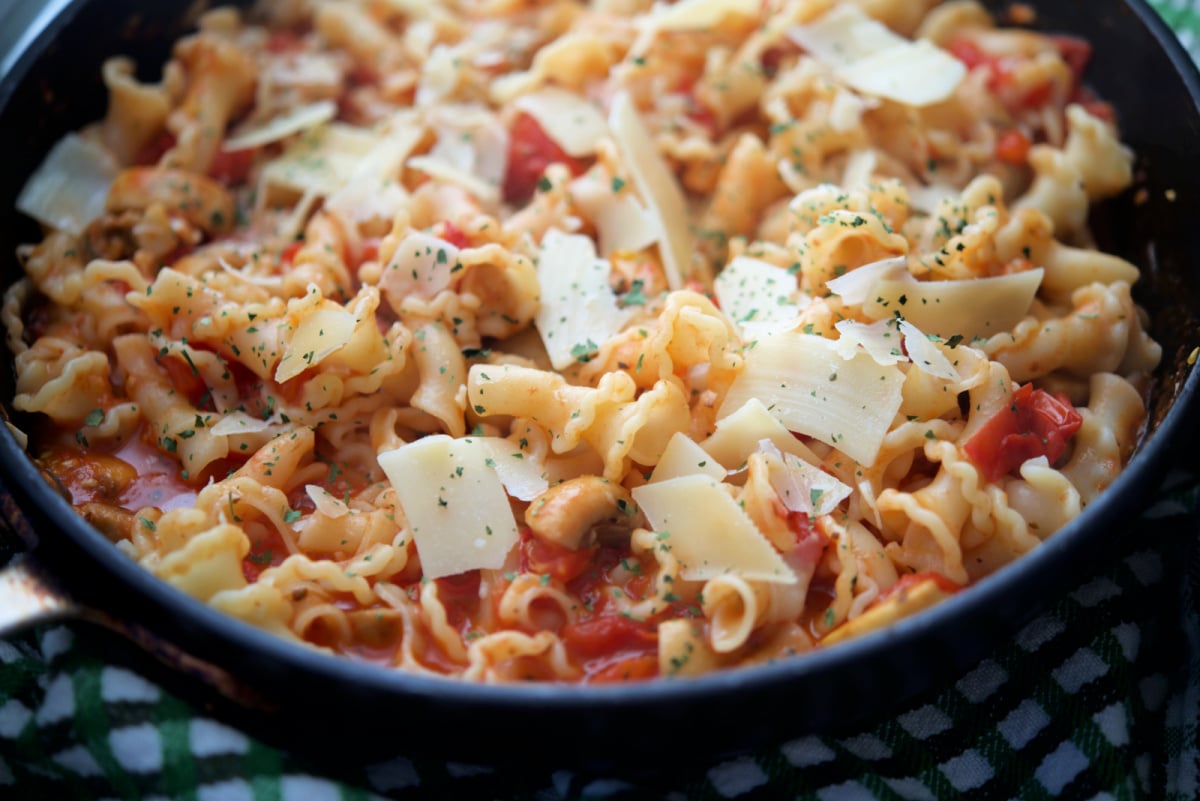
(584, 341)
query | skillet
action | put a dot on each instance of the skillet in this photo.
(311, 702)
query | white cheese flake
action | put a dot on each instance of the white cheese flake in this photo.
(740, 431)
(457, 510)
(970, 308)
(320, 334)
(809, 387)
(522, 474)
(70, 187)
(870, 58)
(276, 129)
(801, 486)
(709, 534)
(657, 186)
(754, 291)
(570, 120)
(579, 310)
(683, 457)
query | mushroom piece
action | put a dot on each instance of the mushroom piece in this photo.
(581, 511)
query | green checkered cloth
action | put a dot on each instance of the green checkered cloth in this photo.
(1098, 699)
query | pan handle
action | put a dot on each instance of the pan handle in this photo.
(29, 595)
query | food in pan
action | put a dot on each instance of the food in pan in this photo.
(582, 342)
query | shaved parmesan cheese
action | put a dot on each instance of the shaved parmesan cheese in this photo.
(69, 189)
(320, 334)
(926, 355)
(374, 191)
(683, 457)
(523, 476)
(801, 486)
(455, 504)
(916, 74)
(971, 308)
(579, 310)
(445, 171)
(236, 423)
(892, 341)
(857, 285)
(571, 121)
(811, 389)
(325, 503)
(281, 127)
(656, 185)
(871, 59)
(843, 36)
(622, 222)
(472, 147)
(880, 340)
(739, 433)
(422, 266)
(752, 290)
(690, 15)
(929, 198)
(321, 160)
(709, 534)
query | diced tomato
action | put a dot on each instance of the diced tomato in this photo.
(288, 255)
(1076, 53)
(185, 378)
(232, 167)
(810, 543)
(1034, 424)
(284, 42)
(530, 152)
(633, 668)
(608, 636)
(459, 595)
(152, 152)
(1012, 147)
(549, 559)
(968, 53)
(454, 235)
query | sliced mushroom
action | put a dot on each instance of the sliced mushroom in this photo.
(581, 511)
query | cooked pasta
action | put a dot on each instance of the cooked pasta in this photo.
(582, 341)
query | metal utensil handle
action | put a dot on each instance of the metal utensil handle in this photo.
(29, 595)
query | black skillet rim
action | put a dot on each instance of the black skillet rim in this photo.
(1027, 574)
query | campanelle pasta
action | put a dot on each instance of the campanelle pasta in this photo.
(582, 341)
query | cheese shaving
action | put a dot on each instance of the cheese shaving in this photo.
(871, 59)
(236, 423)
(708, 533)
(801, 487)
(325, 503)
(278, 128)
(321, 160)
(68, 190)
(974, 308)
(320, 334)
(579, 310)
(740, 432)
(656, 185)
(690, 15)
(521, 473)
(752, 290)
(810, 388)
(572, 122)
(683, 457)
(455, 504)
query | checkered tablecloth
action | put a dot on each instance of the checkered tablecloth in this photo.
(1097, 699)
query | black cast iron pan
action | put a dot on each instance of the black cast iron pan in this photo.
(308, 701)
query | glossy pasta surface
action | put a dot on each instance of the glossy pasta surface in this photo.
(583, 341)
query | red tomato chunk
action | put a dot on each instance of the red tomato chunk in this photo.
(1034, 424)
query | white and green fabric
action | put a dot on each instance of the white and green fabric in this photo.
(1096, 700)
